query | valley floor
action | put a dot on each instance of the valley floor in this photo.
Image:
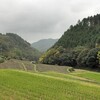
(47, 84)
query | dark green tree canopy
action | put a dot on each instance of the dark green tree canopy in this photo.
(80, 44)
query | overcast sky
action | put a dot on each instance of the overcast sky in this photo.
(38, 19)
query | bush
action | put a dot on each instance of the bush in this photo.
(81, 59)
(71, 69)
(1, 60)
(92, 62)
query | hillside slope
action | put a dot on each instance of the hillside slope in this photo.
(44, 44)
(20, 85)
(13, 46)
(79, 45)
(84, 33)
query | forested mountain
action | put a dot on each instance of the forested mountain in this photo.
(78, 46)
(44, 44)
(13, 46)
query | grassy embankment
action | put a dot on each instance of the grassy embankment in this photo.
(21, 85)
(45, 84)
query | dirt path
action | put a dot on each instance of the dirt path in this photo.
(24, 67)
(34, 65)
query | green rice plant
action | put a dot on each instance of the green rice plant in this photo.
(21, 85)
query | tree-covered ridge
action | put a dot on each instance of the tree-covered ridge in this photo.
(84, 33)
(79, 46)
(13, 46)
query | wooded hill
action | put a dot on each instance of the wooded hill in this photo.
(44, 44)
(78, 46)
(13, 46)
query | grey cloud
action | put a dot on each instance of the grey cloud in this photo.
(35, 19)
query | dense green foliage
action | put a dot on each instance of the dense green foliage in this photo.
(2, 59)
(20, 85)
(13, 46)
(79, 45)
(84, 33)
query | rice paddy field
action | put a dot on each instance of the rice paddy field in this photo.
(28, 66)
(23, 84)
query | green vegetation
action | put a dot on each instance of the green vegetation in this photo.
(79, 46)
(94, 76)
(1, 59)
(13, 46)
(20, 85)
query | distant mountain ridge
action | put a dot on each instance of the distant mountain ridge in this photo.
(44, 44)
